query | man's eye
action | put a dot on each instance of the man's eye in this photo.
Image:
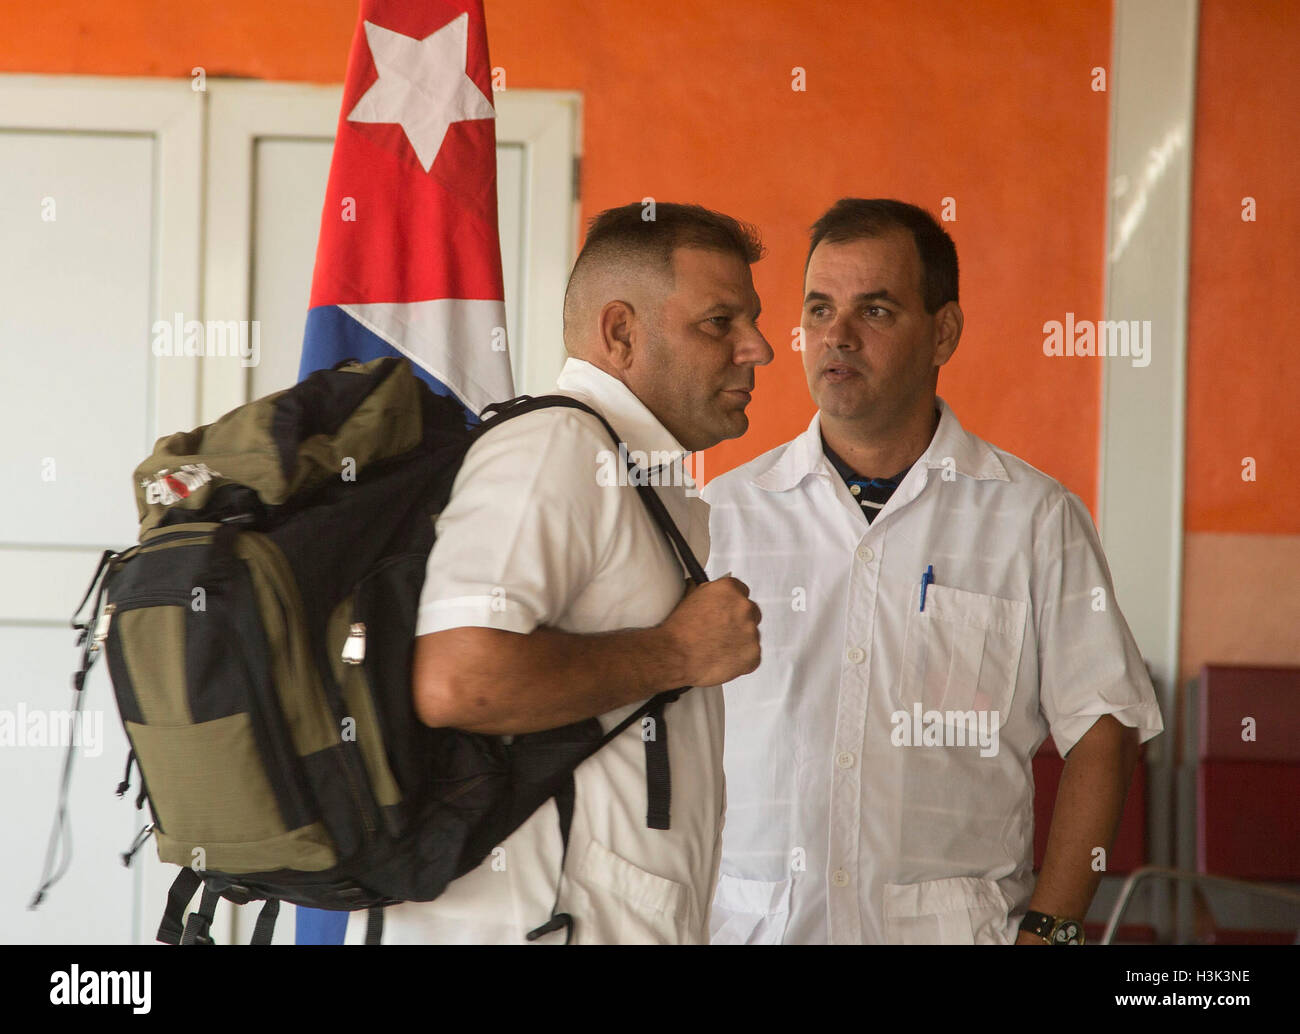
(876, 311)
(720, 321)
(818, 310)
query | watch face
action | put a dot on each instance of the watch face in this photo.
(1067, 933)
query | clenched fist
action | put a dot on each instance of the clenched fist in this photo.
(714, 628)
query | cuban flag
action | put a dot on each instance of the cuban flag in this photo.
(409, 260)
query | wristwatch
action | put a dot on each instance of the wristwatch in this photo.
(1052, 929)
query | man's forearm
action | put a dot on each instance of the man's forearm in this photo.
(1089, 804)
(490, 681)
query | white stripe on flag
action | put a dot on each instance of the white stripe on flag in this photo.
(452, 338)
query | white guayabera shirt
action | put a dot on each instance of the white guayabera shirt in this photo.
(538, 533)
(878, 762)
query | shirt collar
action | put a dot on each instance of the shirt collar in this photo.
(850, 475)
(627, 414)
(952, 447)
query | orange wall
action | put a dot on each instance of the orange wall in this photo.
(1241, 554)
(987, 102)
(913, 101)
(1243, 371)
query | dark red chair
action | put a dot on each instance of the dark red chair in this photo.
(1248, 776)
(1238, 814)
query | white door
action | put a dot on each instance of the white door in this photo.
(107, 229)
(99, 213)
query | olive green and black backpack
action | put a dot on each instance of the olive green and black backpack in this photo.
(259, 641)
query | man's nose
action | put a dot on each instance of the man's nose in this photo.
(839, 333)
(754, 350)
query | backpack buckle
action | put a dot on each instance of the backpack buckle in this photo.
(237, 893)
(198, 925)
(198, 929)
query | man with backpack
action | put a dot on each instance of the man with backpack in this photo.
(552, 596)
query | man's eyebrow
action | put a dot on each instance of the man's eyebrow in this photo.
(732, 308)
(865, 296)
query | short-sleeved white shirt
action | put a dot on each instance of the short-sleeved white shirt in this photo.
(839, 831)
(535, 534)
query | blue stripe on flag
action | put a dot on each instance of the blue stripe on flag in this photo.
(317, 926)
(332, 336)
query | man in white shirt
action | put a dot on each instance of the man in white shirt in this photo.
(933, 607)
(552, 597)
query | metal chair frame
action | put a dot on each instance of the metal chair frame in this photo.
(1196, 879)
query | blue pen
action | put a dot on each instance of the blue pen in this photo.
(926, 580)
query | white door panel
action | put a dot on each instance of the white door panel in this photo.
(75, 320)
(291, 176)
(84, 276)
(512, 216)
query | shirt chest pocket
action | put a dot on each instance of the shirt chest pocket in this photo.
(962, 652)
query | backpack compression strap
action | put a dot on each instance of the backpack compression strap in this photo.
(196, 929)
(60, 842)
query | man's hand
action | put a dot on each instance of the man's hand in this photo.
(491, 681)
(715, 629)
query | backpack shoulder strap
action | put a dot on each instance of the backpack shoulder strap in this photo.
(528, 404)
(658, 775)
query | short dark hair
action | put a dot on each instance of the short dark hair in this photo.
(650, 231)
(853, 218)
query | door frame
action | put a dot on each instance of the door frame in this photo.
(545, 123)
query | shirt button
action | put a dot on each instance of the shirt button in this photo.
(865, 553)
(855, 655)
(844, 759)
(855, 489)
(840, 878)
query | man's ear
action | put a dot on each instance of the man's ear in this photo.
(617, 320)
(947, 323)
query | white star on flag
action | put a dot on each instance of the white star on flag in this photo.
(422, 85)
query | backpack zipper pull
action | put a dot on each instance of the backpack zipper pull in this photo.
(101, 625)
(125, 784)
(354, 648)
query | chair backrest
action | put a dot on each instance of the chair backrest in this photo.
(1246, 743)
